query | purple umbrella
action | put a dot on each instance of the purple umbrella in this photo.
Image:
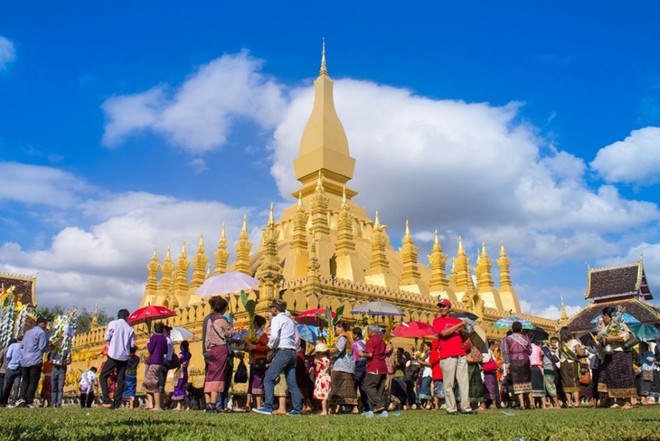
(227, 283)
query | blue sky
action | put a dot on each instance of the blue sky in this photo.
(128, 126)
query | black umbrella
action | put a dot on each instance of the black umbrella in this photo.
(467, 315)
(540, 334)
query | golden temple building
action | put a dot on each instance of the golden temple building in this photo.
(326, 251)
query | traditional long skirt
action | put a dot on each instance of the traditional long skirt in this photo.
(521, 376)
(342, 389)
(257, 380)
(216, 369)
(281, 388)
(538, 382)
(616, 376)
(570, 376)
(180, 388)
(491, 390)
(476, 384)
(151, 378)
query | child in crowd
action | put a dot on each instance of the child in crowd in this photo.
(322, 382)
(130, 379)
(88, 384)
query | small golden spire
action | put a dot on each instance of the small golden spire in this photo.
(200, 246)
(377, 222)
(343, 195)
(223, 236)
(271, 217)
(324, 68)
(154, 256)
(564, 315)
(319, 182)
(407, 229)
(300, 204)
(460, 245)
(502, 252)
(244, 231)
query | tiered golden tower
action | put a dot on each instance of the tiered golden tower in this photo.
(326, 251)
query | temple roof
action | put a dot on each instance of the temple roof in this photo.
(583, 321)
(25, 286)
(622, 281)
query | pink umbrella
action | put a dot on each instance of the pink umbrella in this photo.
(148, 313)
(227, 283)
(413, 329)
(311, 317)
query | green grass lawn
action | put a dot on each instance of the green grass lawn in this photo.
(100, 424)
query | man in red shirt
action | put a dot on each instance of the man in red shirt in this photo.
(374, 381)
(452, 358)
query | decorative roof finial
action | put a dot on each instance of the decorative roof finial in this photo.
(271, 218)
(324, 69)
(319, 181)
(300, 204)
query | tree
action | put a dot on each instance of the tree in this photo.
(83, 317)
(84, 320)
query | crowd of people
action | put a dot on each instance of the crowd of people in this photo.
(359, 371)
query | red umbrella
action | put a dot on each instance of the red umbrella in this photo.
(148, 313)
(311, 317)
(413, 329)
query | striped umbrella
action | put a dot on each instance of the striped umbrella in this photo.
(506, 322)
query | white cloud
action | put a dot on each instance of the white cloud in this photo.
(7, 53)
(203, 110)
(34, 184)
(106, 263)
(635, 160)
(552, 312)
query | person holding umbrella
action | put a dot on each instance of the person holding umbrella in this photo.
(153, 379)
(453, 360)
(121, 338)
(217, 336)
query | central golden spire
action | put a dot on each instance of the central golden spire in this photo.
(324, 147)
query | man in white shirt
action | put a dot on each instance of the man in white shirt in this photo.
(283, 340)
(121, 338)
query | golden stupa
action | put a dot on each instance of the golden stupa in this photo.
(325, 251)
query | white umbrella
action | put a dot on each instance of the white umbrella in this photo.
(226, 283)
(378, 307)
(179, 333)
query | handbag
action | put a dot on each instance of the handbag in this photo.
(632, 341)
(241, 374)
(585, 375)
(647, 375)
(490, 366)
